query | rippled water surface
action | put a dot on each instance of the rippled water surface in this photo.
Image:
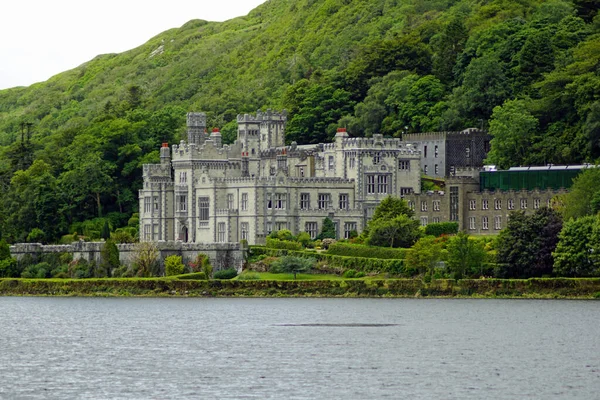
(98, 348)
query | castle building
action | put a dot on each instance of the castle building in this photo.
(204, 191)
(443, 153)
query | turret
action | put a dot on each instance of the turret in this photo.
(196, 125)
(165, 154)
(215, 136)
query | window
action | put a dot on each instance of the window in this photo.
(281, 225)
(425, 151)
(244, 201)
(147, 232)
(349, 227)
(352, 161)
(269, 227)
(497, 204)
(344, 201)
(468, 152)
(245, 228)
(536, 203)
(324, 201)
(405, 190)
(472, 223)
(311, 229)
(377, 159)
(423, 206)
(484, 223)
(302, 172)
(382, 184)
(230, 201)
(511, 204)
(370, 184)
(484, 204)
(423, 221)
(453, 203)
(435, 151)
(269, 201)
(436, 220)
(436, 205)
(182, 177)
(203, 205)
(155, 232)
(425, 169)
(404, 165)
(523, 204)
(411, 204)
(155, 202)
(147, 204)
(181, 202)
(280, 199)
(472, 204)
(331, 163)
(436, 169)
(304, 201)
(272, 170)
(497, 222)
(221, 232)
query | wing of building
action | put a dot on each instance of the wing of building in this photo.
(204, 191)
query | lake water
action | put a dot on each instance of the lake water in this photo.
(140, 348)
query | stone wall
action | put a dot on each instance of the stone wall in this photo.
(221, 255)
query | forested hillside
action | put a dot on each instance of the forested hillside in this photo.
(527, 70)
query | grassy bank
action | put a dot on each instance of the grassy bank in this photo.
(488, 288)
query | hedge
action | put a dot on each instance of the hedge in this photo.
(527, 288)
(442, 228)
(376, 265)
(283, 244)
(357, 250)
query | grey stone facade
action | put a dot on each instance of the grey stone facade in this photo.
(205, 192)
(442, 153)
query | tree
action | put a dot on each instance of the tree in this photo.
(400, 231)
(105, 234)
(584, 196)
(578, 248)
(391, 207)
(173, 266)
(525, 246)
(328, 230)
(425, 254)
(109, 259)
(512, 128)
(145, 258)
(447, 46)
(465, 255)
(293, 265)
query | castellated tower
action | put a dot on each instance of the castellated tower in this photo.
(196, 124)
(260, 132)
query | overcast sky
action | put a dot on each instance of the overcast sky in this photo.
(41, 38)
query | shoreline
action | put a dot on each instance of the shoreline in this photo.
(534, 288)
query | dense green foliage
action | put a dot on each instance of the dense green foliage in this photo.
(528, 70)
(441, 228)
(578, 250)
(530, 288)
(174, 265)
(466, 256)
(228, 273)
(357, 250)
(292, 264)
(283, 244)
(525, 246)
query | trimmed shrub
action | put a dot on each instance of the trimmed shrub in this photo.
(173, 266)
(442, 228)
(228, 273)
(283, 244)
(357, 250)
(249, 276)
(200, 276)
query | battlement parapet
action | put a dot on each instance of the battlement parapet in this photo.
(261, 116)
(156, 170)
